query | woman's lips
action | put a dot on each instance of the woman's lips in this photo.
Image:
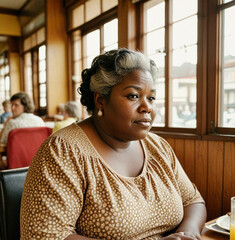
(146, 122)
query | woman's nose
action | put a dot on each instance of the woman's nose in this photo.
(145, 106)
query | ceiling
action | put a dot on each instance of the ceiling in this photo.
(26, 10)
(12, 4)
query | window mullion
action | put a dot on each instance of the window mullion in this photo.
(167, 61)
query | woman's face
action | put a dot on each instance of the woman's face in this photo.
(17, 108)
(131, 108)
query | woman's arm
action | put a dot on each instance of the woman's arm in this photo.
(192, 223)
(194, 219)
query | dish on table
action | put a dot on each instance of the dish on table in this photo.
(224, 222)
(214, 227)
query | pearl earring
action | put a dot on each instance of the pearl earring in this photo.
(100, 113)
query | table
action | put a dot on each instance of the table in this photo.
(211, 235)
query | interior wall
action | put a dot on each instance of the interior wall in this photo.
(10, 25)
(56, 39)
(14, 60)
(211, 166)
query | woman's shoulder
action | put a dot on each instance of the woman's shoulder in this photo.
(155, 143)
(71, 135)
(155, 139)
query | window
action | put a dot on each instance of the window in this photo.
(175, 54)
(93, 28)
(4, 77)
(88, 44)
(35, 82)
(28, 74)
(226, 114)
(42, 76)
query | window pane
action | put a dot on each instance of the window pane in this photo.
(189, 26)
(226, 1)
(77, 45)
(6, 69)
(183, 88)
(42, 77)
(184, 8)
(93, 46)
(153, 11)
(28, 73)
(154, 46)
(227, 101)
(42, 52)
(111, 47)
(42, 65)
(92, 9)
(42, 94)
(160, 99)
(155, 42)
(110, 34)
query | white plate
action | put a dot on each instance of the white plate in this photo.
(224, 222)
(214, 227)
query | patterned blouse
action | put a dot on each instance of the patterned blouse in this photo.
(70, 189)
(23, 121)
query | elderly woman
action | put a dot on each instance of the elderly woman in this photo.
(70, 115)
(108, 177)
(22, 109)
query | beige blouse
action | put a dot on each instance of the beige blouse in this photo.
(70, 189)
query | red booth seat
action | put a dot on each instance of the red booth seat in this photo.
(23, 143)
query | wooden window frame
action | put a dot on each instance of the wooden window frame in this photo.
(207, 74)
(94, 24)
(35, 80)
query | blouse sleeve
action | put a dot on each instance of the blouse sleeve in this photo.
(188, 190)
(7, 129)
(53, 193)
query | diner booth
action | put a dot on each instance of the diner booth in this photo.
(45, 45)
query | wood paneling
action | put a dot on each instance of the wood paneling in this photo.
(56, 55)
(126, 25)
(228, 174)
(211, 166)
(14, 60)
(215, 179)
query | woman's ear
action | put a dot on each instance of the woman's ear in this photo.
(98, 98)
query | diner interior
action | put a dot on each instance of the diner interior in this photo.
(45, 45)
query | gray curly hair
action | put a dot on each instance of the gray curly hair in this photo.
(108, 69)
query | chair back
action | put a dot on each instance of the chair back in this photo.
(23, 143)
(11, 188)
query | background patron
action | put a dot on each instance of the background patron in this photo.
(70, 115)
(7, 111)
(22, 115)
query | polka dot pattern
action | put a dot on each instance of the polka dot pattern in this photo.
(70, 189)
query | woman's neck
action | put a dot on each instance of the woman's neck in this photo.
(114, 143)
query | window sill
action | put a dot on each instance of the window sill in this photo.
(210, 137)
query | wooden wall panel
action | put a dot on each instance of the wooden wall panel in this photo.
(211, 166)
(189, 158)
(201, 167)
(215, 181)
(179, 150)
(56, 38)
(228, 175)
(171, 141)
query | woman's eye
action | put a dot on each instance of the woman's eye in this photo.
(132, 96)
(153, 98)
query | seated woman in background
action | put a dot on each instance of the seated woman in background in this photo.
(108, 177)
(22, 109)
(71, 114)
(60, 112)
(7, 111)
